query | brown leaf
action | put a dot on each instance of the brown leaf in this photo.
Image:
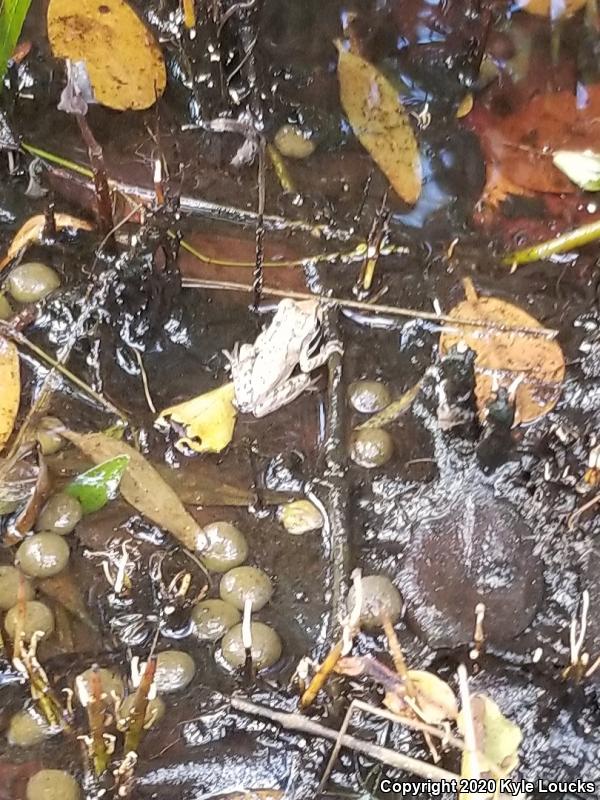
(380, 123)
(503, 357)
(10, 389)
(26, 519)
(63, 589)
(143, 488)
(32, 230)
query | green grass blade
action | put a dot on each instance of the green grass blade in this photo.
(12, 17)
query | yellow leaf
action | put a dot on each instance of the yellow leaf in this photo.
(465, 106)
(497, 738)
(123, 60)
(10, 389)
(505, 358)
(434, 698)
(551, 8)
(31, 231)
(208, 419)
(380, 123)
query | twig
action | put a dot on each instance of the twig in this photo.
(258, 276)
(296, 722)
(137, 717)
(105, 217)
(95, 712)
(560, 244)
(281, 170)
(322, 674)
(574, 517)
(375, 308)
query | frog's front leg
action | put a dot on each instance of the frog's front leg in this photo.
(307, 362)
(285, 393)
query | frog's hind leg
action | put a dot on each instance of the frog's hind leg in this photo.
(309, 362)
(283, 394)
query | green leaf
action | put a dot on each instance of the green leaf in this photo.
(12, 17)
(99, 484)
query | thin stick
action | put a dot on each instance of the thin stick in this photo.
(258, 276)
(560, 244)
(16, 336)
(375, 308)
(320, 677)
(296, 722)
(137, 717)
(96, 155)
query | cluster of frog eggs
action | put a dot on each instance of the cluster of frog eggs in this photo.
(28, 283)
(370, 447)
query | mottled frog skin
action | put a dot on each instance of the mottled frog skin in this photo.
(262, 372)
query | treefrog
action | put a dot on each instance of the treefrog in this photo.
(262, 372)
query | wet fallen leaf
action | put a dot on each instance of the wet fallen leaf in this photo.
(18, 479)
(582, 167)
(10, 389)
(143, 488)
(551, 8)
(100, 484)
(12, 17)
(32, 230)
(503, 358)
(65, 590)
(380, 123)
(465, 106)
(433, 697)
(208, 420)
(392, 411)
(122, 57)
(36, 499)
(497, 738)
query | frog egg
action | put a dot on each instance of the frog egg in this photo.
(52, 784)
(300, 516)
(380, 598)
(10, 580)
(28, 728)
(369, 397)
(155, 710)
(36, 617)
(293, 142)
(246, 583)
(5, 309)
(110, 685)
(60, 514)
(43, 555)
(174, 671)
(266, 646)
(211, 619)
(31, 282)
(49, 441)
(227, 547)
(371, 447)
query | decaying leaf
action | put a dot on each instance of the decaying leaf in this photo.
(64, 589)
(433, 698)
(208, 420)
(32, 230)
(497, 738)
(533, 366)
(10, 389)
(18, 479)
(380, 123)
(123, 60)
(36, 499)
(582, 167)
(143, 488)
(98, 485)
(551, 8)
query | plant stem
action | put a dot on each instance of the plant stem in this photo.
(560, 244)
(140, 705)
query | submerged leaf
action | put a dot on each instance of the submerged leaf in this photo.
(555, 9)
(582, 167)
(380, 123)
(208, 420)
(96, 487)
(497, 738)
(10, 389)
(143, 488)
(123, 60)
(32, 230)
(533, 366)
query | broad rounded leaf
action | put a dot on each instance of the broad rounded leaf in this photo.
(380, 123)
(497, 738)
(123, 60)
(99, 484)
(10, 389)
(208, 420)
(505, 357)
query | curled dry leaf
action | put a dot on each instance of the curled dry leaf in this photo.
(10, 389)
(505, 358)
(497, 738)
(551, 8)
(32, 230)
(208, 420)
(123, 60)
(143, 488)
(380, 123)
